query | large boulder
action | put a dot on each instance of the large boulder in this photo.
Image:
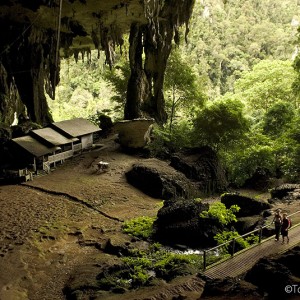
(158, 180)
(286, 192)
(133, 134)
(203, 166)
(247, 224)
(179, 223)
(260, 180)
(249, 206)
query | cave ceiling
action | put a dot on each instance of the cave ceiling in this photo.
(36, 34)
(80, 19)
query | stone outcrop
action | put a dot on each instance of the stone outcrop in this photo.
(272, 274)
(133, 134)
(286, 192)
(229, 288)
(158, 180)
(179, 222)
(247, 224)
(249, 206)
(203, 166)
(267, 279)
(260, 180)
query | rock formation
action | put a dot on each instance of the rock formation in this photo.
(179, 222)
(156, 179)
(133, 133)
(272, 274)
(36, 34)
(203, 166)
(249, 206)
(286, 192)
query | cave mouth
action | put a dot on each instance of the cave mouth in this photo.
(30, 53)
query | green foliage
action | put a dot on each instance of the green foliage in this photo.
(140, 267)
(118, 78)
(240, 242)
(219, 211)
(141, 227)
(278, 118)
(229, 37)
(170, 265)
(289, 150)
(270, 81)
(82, 90)
(164, 142)
(243, 164)
(220, 124)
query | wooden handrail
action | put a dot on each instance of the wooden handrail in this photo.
(234, 239)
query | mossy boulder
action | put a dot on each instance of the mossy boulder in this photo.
(179, 222)
(249, 206)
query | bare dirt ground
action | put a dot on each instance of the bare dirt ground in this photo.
(57, 222)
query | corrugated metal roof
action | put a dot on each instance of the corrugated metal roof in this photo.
(76, 127)
(33, 146)
(51, 136)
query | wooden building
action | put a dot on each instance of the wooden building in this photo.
(30, 153)
(51, 138)
(43, 148)
(79, 128)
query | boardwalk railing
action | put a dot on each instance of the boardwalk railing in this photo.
(60, 156)
(228, 249)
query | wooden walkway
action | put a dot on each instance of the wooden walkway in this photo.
(245, 260)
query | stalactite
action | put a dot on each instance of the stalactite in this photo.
(164, 19)
(110, 37)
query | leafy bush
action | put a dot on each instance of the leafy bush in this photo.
(220, 124)
(171, 265)
(219, 211)
(165, 142)
(240, 242)
(141, 227)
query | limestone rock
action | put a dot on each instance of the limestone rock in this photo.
(260, 180)
(247, 224)
(203, 166)
(158, 180)
(249, 206)
(178, 222)
(272, 274)
(133, 133)
(229, 288)
(286, 192)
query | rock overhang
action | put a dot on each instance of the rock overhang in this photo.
(81, 19)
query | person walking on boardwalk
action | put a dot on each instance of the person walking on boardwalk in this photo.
(278, 222)
(286, 224)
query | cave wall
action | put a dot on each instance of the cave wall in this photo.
(28, 64)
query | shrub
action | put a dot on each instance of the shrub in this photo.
(219, 211)
(141, 227)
